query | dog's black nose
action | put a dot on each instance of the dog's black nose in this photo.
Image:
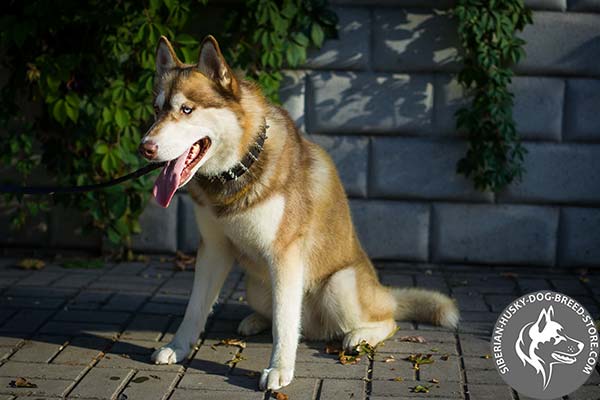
(148, 150)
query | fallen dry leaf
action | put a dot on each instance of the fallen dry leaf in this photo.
(365, 348)
(486, 356)
(140, 379)
(398, 379)
(445, 357)
(420, 389)
(21, 383)
(420, 359)
(389, 359)
(433, 380)
(412, 339)
(280, 396)
(348, 359)
(182, 260)
(31, 263)
(232, 342)
(236, 359)
(332, 349)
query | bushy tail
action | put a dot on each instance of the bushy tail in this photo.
(425, 306)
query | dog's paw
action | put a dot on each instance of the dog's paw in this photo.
(253, 324)
(169, 354)
(275, 378)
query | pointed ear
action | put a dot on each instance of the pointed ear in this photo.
(543, 319)
(213, 65)
(166, 59)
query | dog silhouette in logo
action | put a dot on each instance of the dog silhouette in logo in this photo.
(543, 343)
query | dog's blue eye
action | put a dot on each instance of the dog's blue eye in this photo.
(186, 110)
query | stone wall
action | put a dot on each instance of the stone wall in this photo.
(381, 100)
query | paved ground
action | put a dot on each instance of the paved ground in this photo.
(88, 333)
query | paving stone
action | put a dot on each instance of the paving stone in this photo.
(396, 346)
(363, 102)
(26, 321)
(159, 229)
(135, 361)
(146, 327)
(74, 280)
(392, 230)
(210, 382)
(414, 40)
(586, 392)
(472, 302)
(184, 394)
(528, 285)
(499, 302)
(470, 233)
(331, 389)
(125, 301)
(41, 371)
(441, 370)
(475, 345)
(551, 51)
(351, 157)
(473, 363)
(31, 302)
(490, 392)
(44, 292)
(178, 285)
(150, 386)
(579, 237)
(350, 51)
(188, 237)
(399, 170)
(392, 388)
(390, 370)
(102, 383)
(82, 350)
(80, 328)
(40, 278)
(131, 284)
(137, 347)
(40, 349)
(116, 318)
(162, 308)
(558, 173)
(334, 371)
(488, 377)
(89, 300)
(46, 387)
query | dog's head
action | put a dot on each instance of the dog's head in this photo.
(544, 343)
(198, 122)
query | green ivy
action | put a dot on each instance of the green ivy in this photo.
(487, 34)
(90, 65)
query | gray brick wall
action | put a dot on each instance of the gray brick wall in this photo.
(381, 101)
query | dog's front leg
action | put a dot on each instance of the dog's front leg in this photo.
(287, 276)
(213, 263)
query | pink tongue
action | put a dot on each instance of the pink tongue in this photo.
(168, 181)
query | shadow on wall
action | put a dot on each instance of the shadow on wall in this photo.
(418, 44)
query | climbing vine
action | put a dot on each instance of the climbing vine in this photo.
(78, 93)
(487, 32)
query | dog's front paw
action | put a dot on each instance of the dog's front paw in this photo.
(276, 378)
(170, 354)
(253, 324)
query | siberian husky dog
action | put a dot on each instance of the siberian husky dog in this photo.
(271, 200)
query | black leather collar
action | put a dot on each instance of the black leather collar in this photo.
(244, 165)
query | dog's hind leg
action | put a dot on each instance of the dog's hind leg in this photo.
(259, 298)
(213, 263)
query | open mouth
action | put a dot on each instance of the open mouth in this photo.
(563, 358)
(179, 171)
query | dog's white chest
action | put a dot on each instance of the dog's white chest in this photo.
(254, 230)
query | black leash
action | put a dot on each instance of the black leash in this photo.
(77, 189)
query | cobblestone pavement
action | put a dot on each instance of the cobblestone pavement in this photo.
(89, 333)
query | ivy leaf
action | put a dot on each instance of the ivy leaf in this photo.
(101, 148)
(317, 35)
(121, 118)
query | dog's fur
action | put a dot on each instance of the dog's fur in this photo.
(543, 344)
(286, 221)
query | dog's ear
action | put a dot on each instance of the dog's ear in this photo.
(213, 65)
(166, 59)
(544, 318)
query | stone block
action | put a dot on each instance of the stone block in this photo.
(579, 237)
(555, 5)
(351, 157)
(34, 233)
(392, 230)
(350, 51)
(449, 98)
(582, 119)
(159, 229)
(494, 234)
(417, 40)
(67, 230)
(489, 392)
(150, 386)
(188, 237)
(417, 168)
(292, 95)
(102, 383)
(584, 5)
(348, 102)
(558, 173)
(538, 107)
(438, 4)
(561, 44)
